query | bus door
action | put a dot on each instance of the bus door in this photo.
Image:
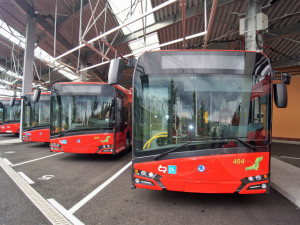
(121, 121)
(259, 117)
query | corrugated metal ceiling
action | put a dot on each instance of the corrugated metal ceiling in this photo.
(225, 27)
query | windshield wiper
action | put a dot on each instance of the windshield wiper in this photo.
(84, 129)
(40, 125)
(237, 139)
(67, 131)
(191, 142)
(169, 151)
(100, 128)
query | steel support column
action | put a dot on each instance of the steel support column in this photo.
(251, 10)
(28, 61)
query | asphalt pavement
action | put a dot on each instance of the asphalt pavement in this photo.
(77, 183)
(289, 153)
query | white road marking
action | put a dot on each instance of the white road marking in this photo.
(98, 189)
(26, 178)
(289, 157)
(46, 177)
(65, 212)
(54, 216)
(18, 164)
(10, 152)
(7, 161)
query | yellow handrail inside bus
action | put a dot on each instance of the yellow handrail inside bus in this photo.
(161, 134)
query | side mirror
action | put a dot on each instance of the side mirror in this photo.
(280, 95)
(12, 102)
(115, 71)
(36, 95)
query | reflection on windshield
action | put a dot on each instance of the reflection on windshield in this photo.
(12, 114)
(1, 115)
(81, 113)
(174, 109)
(36, 114)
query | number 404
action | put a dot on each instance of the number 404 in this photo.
(239, 161)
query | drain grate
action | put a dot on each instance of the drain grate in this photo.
(45, 207)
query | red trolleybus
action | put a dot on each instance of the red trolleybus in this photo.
(11, 110)
(36, 118)
(202, 121)
(90, 118)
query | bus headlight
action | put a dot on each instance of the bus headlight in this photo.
(258, 177)
(250, 179)
(264, 186)
(151, 175)
(137, 180)
(143, 173)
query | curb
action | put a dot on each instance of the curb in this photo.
(286, 180)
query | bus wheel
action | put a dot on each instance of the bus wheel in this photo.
(127, 143)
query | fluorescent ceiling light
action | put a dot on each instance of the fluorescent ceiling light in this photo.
(15, 37)
(122, 12)
(151, 42)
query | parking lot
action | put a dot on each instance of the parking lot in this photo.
(83, 187)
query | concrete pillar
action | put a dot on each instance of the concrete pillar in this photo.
(28, 61)
(252, 8)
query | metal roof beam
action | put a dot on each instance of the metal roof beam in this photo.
(282, 32)
(286, 63)
(190, 12)
(42, 23)
(64, 21)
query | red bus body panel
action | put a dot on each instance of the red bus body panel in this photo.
(87, 143)
(221, 174)
(42, 135)
(11, 128)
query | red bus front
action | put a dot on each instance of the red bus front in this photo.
(10, 128)
(10, 116)
(202, 122)
(36, 118)
(90, 118)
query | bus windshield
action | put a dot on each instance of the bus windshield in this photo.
(205, 107)
(37, 114)
(12, 114)
(81, 112)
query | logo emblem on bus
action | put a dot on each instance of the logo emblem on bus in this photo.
(172, 169)
(255, 165)
(41, 133)
(162, 169)
(201, 168)
(106, 139)
(63, 142)
(78, 140)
